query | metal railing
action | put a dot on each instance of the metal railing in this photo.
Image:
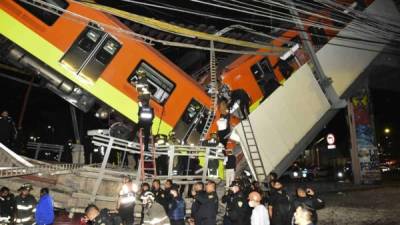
(50, 169)
(172, 151)
(39, 147)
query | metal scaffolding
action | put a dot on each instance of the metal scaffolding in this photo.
(172, 152)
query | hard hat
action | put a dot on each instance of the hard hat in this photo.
(148, 195)
(255, 196)
(26, 186)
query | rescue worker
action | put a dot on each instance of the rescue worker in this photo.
(223, 124)
(103, 217)
(146, 112)
(154, 213)
(230, 167)
(25, 204)
(240, 99)
(308, 197)
(303, 215)
(163, 159)
(145, 187)
(44, 210)
(159, 193)
(208, 205)
(259, 215)
(7, 206)
(198, 188)
(213, 163)
(126, 201)
(280, 205)
(8, 132)
(176, 207)
(236, 206)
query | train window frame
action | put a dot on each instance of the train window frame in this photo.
(46, 17)
(85, 62)
(266, 78)
(158, 75)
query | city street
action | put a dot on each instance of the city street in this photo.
(379, 205)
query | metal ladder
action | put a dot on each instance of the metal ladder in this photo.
(214, 93)
(253, 157)
(145, 170)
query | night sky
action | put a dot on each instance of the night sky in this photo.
(47, 115)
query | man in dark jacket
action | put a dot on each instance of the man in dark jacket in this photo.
(44, 210)
(280, 205)
(7, 206)
(176, 207)
(103, 217)
(239, 96)
(26, 205)
(159, 194)
(310, 199)
(237, 209)
(8, 131)
(197, 189)
(208, 205)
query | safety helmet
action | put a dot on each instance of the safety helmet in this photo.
(148, 195)
(255, 196)
(26, 186)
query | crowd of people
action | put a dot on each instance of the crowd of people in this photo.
(24, 209)
(245, 202)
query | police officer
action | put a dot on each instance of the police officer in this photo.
(126, 201)
(280, 205)
(26, 206)
(198, 188)
(208, 205)
(237, 209)
(159, 193)
(7, 206)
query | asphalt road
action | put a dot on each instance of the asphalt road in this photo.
(377, 205)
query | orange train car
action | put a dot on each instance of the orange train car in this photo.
(259, 75)
(88, 59)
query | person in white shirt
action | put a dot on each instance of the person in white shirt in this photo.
(259, 215)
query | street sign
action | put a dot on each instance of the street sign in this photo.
(330, 139)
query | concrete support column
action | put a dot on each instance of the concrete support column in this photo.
(364, 153)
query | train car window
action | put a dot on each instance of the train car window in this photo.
(45, 16)
(187, 128)
(89, 39)
(265, 77)
(160, 86)
(97, 64)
